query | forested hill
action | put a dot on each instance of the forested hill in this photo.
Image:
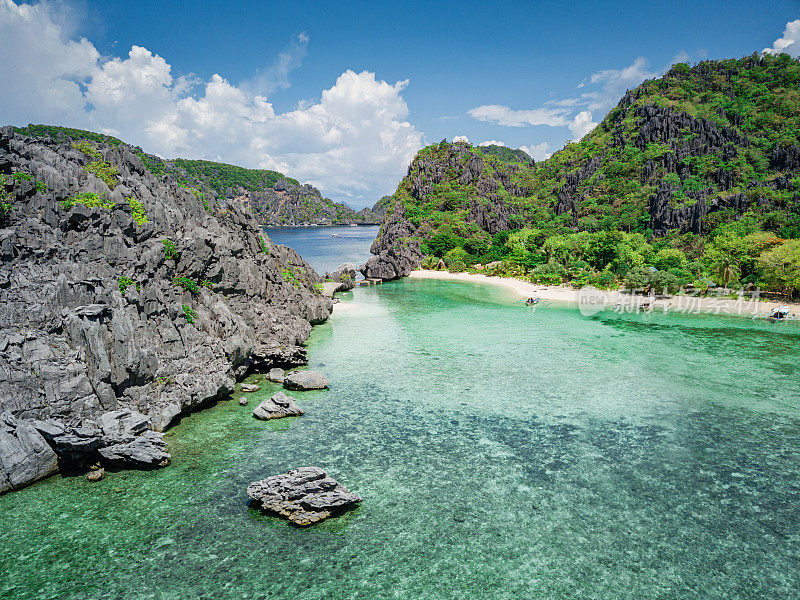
(274, 198)
(691, 179)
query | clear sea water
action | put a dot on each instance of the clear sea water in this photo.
(502, 453)
(323, 251)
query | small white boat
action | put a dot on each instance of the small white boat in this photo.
(779, 314)
(353, 225)
(336, 235)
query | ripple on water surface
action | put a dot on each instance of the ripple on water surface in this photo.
(501, 453)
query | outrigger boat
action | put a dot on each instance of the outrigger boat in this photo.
(778, 314)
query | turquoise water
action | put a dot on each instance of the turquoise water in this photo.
(323, 252)
(501, 453)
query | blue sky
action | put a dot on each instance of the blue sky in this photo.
(507, 71)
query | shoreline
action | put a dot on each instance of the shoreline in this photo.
(614, 299)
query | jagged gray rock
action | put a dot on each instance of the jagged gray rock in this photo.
(396, 251)
(305, 496)
(77, 340)
(276, 375)
(280, 405)
(25, 456)
(305, 380)
(250, 387)
(143, 451)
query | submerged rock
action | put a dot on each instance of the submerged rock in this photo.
(250, 387)
(96, 474)
(304, 496)
(276, 375)
(280, 405)
(243, 401)
(305, 380)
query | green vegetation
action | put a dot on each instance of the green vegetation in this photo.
(191, 314)
(137, 210)
(66, 134)
(87, 147)
(125, 282)
(505, 154)
(262, 243)
(318, 287)
(104, 171)
(289, 277)
(87, 199)
(6, 206)
(188, 284)
(220, 176)
(724, 132)
(170, 251)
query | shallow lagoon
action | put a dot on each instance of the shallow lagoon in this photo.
(501, 453)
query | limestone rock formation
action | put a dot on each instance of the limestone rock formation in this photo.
(122, 290)
(305, 380)
(275, 375)
(280, 405)
(25, 456)
(304, 496)
(396, 252)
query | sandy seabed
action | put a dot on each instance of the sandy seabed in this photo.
(600, 299)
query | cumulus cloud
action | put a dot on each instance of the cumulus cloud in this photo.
(581, 124)
(538, 152)
(503, 115)
(491, 143)
(354, 142)
(460, 138)
(603, 90)
(789, 43)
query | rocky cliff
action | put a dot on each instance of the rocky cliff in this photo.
(126, 300)
(678, 157)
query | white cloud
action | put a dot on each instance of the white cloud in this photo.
(353, 142)
(491, 143)
(277, 76)
(614, 82)
(581, 124)
(538, 152)
(41, 71)
(503, 115)
(603, 91)
(460, 138)
(789, 43)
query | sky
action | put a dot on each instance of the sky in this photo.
(343, 94)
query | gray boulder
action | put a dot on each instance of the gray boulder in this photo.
(305, 380)
(144, 451)
(280, 405)
(250, 387)
(276, 375)
(304, 496)
(25, 456)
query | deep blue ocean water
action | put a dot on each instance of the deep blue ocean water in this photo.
(323, 251)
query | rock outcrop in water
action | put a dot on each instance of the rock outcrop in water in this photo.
(278, 406)
(123, 292)
(305, 380)
(305, 496)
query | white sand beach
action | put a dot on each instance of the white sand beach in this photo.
(610, 299)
